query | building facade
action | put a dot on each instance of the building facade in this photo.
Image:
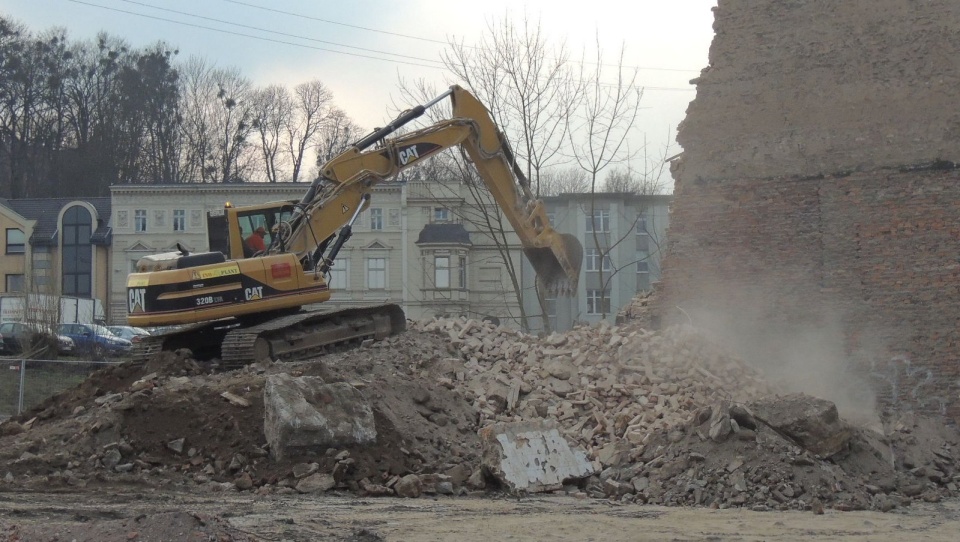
(623, 238)
(56, 246)
(15, 263)
(437, 249)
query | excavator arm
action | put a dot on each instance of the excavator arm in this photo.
(343, 189)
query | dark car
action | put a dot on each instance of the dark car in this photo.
(18, 337)
(95, 340)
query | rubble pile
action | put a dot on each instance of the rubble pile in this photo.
(602, 383)
(669, 418)
(660, 417)
(178, 422)
(767, 467)
(639, 312)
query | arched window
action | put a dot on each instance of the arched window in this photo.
(77, 255)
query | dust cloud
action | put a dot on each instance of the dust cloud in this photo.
(811, 357)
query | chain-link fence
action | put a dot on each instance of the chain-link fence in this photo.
(25, 383)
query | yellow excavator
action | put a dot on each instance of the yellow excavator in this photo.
(244, 303)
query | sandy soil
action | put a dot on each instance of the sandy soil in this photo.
(161, 516)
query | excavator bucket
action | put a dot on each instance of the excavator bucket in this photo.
(558, 264)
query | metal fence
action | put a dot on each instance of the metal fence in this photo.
(25, 383)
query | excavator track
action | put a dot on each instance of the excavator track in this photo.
(288, 337)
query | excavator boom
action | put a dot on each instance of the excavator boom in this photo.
(556, 257)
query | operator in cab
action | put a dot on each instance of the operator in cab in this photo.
(255, 241)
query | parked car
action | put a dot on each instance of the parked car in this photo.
(95, 340)
(130, 333)
(18, 337)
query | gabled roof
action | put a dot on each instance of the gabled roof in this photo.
(444, 234)
(46, 211)
(139, 247)
(9, 211)
(377, 244)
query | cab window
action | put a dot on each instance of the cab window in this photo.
(268, 219)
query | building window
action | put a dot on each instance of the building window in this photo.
(598, 302)
(462, 274)
(179, 220)
(340, 275)
(552, 218)
(441, 214)
(599, 222)
(643, 262)
(441, 271)
(140, 220)
(14, 284)
(377, 273)
(376, 218)
(593, 260)
(16, 241)
(642, 224)
(77, 255)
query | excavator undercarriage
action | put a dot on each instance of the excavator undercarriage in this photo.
(298, 335)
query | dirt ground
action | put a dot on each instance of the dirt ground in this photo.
(175, 450)
(162, 516)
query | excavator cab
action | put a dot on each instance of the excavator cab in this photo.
(242, 222)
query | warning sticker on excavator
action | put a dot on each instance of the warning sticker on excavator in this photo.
(134, 282)
(222, 271)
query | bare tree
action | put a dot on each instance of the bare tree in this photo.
(649, 181)
(312, 105)
(526, 84)
(566, 180)
(337, 133)
(31, 112)
(232, 113)
(272, 110)
(217, 118)
(599, 131)
(289, 125)
(196, 124)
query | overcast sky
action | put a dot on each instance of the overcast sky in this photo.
(361, 49)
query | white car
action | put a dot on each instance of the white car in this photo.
(130, 333)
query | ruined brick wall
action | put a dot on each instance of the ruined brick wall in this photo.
(804, 87)
(815, 193)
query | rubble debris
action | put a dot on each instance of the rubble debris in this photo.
(663, 417)
(810, 422)
(531, 456)
(601, 383)
(305, 415)
(235, 399)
